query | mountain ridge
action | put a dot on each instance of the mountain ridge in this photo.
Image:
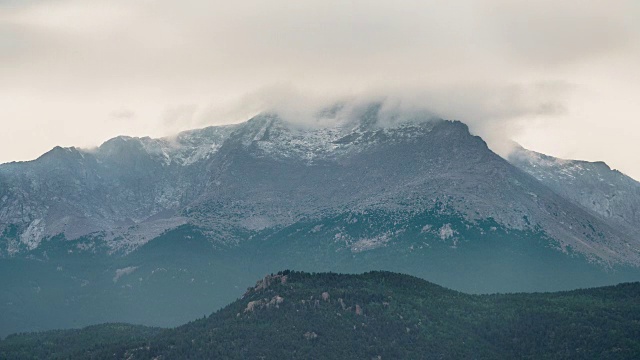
(168, 181)
(582, 181)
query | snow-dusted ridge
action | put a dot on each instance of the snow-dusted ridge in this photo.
(185, 148)
(594, 185)
(269, 173)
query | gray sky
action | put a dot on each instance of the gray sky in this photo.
(560, 77)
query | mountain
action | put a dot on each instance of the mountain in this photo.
(607, 193)
(266, 173)
(159, 231)
(376, 315)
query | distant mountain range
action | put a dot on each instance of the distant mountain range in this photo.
(143, 230)
(377, 315)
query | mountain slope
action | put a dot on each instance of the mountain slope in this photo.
(593, 185)
(376, 315)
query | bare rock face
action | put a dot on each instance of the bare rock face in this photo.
(252, 305)
(593, 185)
(310, 335)
(274, 302)
(268, 280)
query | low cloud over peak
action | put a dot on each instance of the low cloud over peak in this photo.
(539, 72)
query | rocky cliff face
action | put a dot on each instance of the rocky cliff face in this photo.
(268, 174)
(607, 193)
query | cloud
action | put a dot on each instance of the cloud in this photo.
(502, 66)
(122, 114)
(495, 112)
(326, 44)
(547, 33)
(181, 115)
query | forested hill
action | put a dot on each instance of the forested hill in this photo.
(377, 315)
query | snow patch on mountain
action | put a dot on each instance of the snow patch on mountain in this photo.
(188, 147)
(124, 271)
(33, 235)
(366, 244)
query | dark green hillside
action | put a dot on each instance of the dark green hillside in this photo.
(373, 315)
(99, 341)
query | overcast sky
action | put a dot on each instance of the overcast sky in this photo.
(560, 77)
